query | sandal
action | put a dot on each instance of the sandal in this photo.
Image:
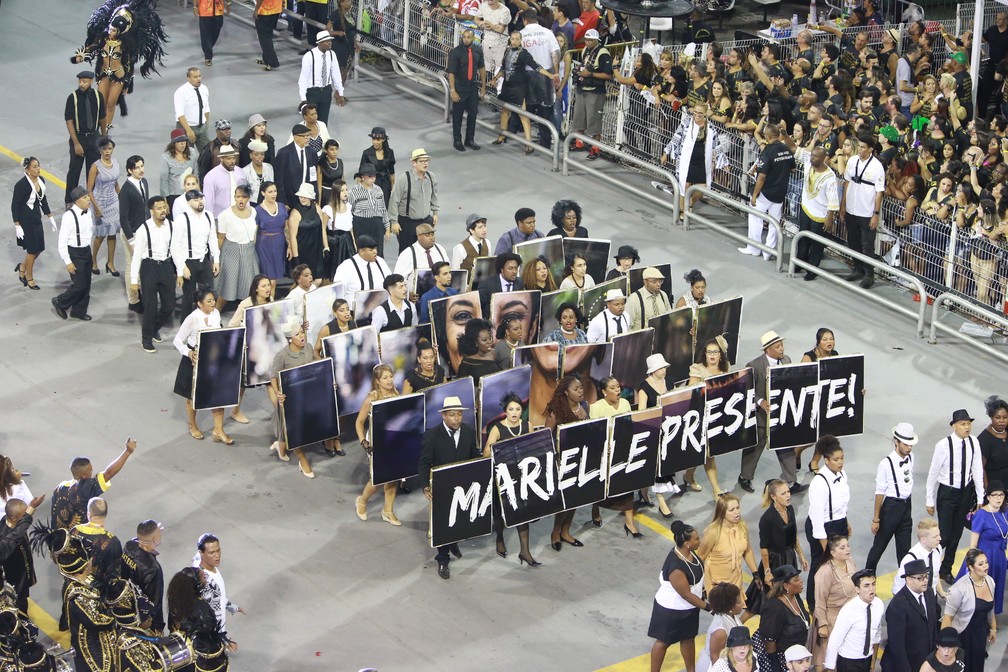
(501, 139)
(207, 61)
(268, 68)
(529, 150)
(195, 433)
(226, 440)
(259, 61)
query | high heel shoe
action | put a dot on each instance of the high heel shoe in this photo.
(226, 440)
(812, 470)
(114, 274)
(21, 275)
(311, 474)
(275, 447)
(531, 561)
(501, 139)
(31, 284)
(94, 269)
(195, 433)
(502, 550)
(629, 532)
(529, 150)
(597, 522)
(575, 543)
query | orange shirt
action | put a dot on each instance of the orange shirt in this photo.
(271, 7)
(210, 7)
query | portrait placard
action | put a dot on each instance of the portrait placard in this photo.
(721, 317)
(449, 316)
(683, 441)
(793, 394)
(309, 413)
(525, 471)
(397, 348)
(492, 390)
(217, 375)
(525, 304)
(434, 397)
(590, 362)
(264, 338)
(841, 395)
(461, 501)
(364, 304)
(731, 412)
(582, 462)
(396, 437)
(549, 249)
(318, 308)
(545, 362)
(483, 269)
(674, 340)
(551, 302)
(629, 359)
(636, 278)
(354, 354)
(594, 250)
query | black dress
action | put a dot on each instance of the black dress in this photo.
(309, 239)
(477, 368)
(812, 356)
(515, 84)
(995, 454)
(780, 539)
(418, 382)
(384, 169)
(652, 401)
(343, 46)
(696, 173)
(330, 173)
(974, 637)
(30, 216)
(958, 665)
(781, 625)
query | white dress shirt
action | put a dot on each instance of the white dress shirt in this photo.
(157, 247)
(74, 231)
(354, 276)
(187, 104)
(414, 258)
(379, 318)
(197, 321)
(894, 476)
(459, 252)
(828, 497)
(602, 327)
(314, 66)
(947, 466)
(848, 634)
(918, 552)
(195, 235)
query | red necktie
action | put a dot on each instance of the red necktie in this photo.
(469, 71)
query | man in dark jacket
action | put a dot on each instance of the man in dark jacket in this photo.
(294, 165)
(15, 552)
(140, 565)
(911, 621)
(449, 442)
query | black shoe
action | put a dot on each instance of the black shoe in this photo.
(95, 271)
(746, 484)
(636, 535)
(556, 545)
(531, 561)
(403, 488)
(868, 281)
(668, 515)
(854, 275)
(597, 522)
(21, 275)
(83, 318)
(575, 543)
(946, 577)
(501, 139)
(643, 503)
(148, 346)
(456, 551)
(797, 462)
(809, 276)
(459, 146)
(114, 274)
(798, 488)
(136, 308)
(442, 570)
(157, 337)
(59, 311)
(501, 549)
(472, 145)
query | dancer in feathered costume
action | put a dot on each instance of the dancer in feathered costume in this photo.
(121, 34)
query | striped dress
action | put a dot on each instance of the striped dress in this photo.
(238, 260)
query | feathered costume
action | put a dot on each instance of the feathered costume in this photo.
(139, 38)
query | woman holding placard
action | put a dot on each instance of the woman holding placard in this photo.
(342, 321)
(260, 293)
(477, 350)
(382, 387)
(205, 316)
(511, 426)
(427, 373)
(295, 354)
(648, 394)
(609, 405)
(825, 346)
(675, 615)
(711, 360)
(566, 406)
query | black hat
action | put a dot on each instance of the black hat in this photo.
(960, 415)
(378, 132)
(860, 574)
(367, 169)
(995, 486)
(76, 193)
(914, 568)
(948, 637)
(366, 242)
(738, 636)
(193, 193)
(627, 251)
(784, 573)
(299, 129)
(86, 74)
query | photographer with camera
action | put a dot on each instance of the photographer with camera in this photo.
(590, 81)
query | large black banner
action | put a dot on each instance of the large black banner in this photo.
(218, 372)
(683, 442)
(525, 471)
(582, 458)
(633, 460)
(309, 410)
(841, 395)
(461, 504)
(794, 399)
(397, 427)
(731, 412)
(722, 317)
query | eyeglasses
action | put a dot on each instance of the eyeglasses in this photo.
(919, 577)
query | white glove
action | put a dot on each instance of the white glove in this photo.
(52, 224)
(19, 232)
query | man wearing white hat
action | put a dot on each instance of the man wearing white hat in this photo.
(447, 443)
(648, 301)
(611, 321)
(320, 81)
(220, 183)
(773, 355)
(798, 658)
(894, 483)
(413, 200)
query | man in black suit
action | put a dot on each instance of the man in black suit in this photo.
(447, 443)
(506, 280)
(133, 212)
(294, 165)
(15, 551)
(911, 621)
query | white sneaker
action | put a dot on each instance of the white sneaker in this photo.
(750, 251)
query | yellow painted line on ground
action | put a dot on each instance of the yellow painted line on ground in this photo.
(673, 660)
(48, 624)
(45, 173)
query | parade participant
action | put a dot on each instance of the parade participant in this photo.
(648, 301)
(382, 387)
(85, 122)
(191, 616)
(426, 373)
(928, 548)
(295, 354)
(828, 498)
(854, 640)
(140, 565)
(105, 547)
(15, 551)
(195, 249)
(70, 498)
(396, 312)
(76, 229)
(911, 621)
(208, 559)
(154, 267)
(611, 321)
(413, 201)
(675, 614)
(28, 204)
(204, 316)
(474, 245)
(893, 487)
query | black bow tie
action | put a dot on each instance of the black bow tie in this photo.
(905, 461)
(837, 479)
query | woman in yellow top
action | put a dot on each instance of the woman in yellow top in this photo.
(725, 545)
(609, 405)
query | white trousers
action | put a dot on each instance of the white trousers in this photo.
(756, 225)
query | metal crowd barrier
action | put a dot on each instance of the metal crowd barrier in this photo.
(738, 205)
(954, 299)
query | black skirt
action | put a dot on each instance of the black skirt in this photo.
(673, 625)
(34, 237)
(184, 378)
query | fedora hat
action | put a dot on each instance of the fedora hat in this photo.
(256, 119)
(178, 135)
(904, 433)
(452, 404)
(948, 637)
(378, 132)
(739, 636)
(614, 295)
(655, 362)
(420, 153)
(769, 338)
(960, 415)
(784, 573)
(914, 568)
(796, 653)
(306, 191)
(227, 150)
(652, 273)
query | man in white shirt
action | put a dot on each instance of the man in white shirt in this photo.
(611, 321)
(192, 109)
(927, 549)
(365, 271)
(208, 559)
(648, 301)
(473, 245)
(320, 82)
(195, 249)
(421, 255)
(854, 639)
(219, 184)
(861, 204)
(153, 267)
(893, 486)
(397, 312)
(828, 499)
(76, 232)
(956, 473)
(542, 44)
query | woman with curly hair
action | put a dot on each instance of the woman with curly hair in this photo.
(537, 275)
(993, 440)
(566, 218)
(477, 349)
(567, 405)
(12, 486)
(697, 295)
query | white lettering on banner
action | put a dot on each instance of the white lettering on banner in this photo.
(638, 446)
(839, 391)
(577, 458)
(466, 500)
(686, 428)
(794, 405)
(530, 469)
(716, 426)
